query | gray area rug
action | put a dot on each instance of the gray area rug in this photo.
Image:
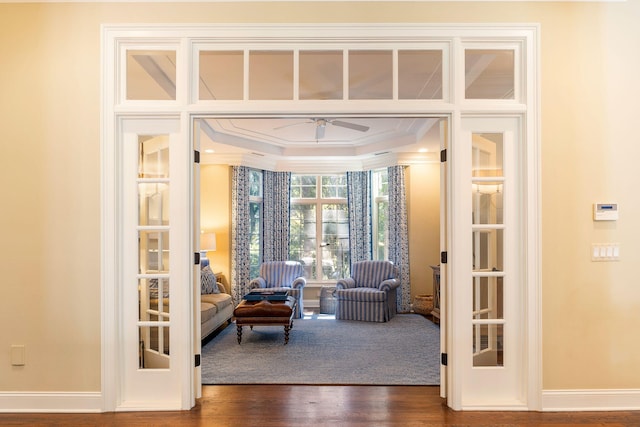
(405, 350)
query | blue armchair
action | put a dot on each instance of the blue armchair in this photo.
(369, 294)
(282, 276)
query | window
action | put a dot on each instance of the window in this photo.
(255, 221)
(380, 214)
(319, 225)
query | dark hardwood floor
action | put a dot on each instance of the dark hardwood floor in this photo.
(287, 405)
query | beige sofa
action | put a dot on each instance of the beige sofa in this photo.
(215, 310)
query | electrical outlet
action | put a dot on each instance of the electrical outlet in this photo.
(17, 355)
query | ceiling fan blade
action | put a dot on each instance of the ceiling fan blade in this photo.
(349, 125)
(320, 131)
(291, 124)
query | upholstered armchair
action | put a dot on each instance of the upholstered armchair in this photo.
(369, 294)
(282, 276)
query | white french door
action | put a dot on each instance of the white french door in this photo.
(155, 279)
(487, 286)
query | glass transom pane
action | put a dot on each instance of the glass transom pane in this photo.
(370, 74)
(151, 75)
(420, 74)
(320, 75)
(271, 75)
(221, 75)
(489, 74)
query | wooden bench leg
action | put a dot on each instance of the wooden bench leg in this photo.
(239, 333)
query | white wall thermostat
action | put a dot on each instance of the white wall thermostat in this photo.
(605, 211)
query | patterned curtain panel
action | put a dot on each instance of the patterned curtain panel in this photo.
(399, 234)
(240, 258)
(359, 205)
(276, 216)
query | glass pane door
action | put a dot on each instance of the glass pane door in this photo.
(155, 277)
(488, 296)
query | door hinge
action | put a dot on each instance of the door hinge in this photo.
(443, 257)
(197, 360)
(443, 155)
(196, 156)
(196, 258)
(443, 359)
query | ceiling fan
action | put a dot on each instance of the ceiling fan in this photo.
(321, 125)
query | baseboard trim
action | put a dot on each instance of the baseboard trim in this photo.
(67, 402)
(591, 400)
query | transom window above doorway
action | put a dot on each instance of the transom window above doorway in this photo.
(322, 74)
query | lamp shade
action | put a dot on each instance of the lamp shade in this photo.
(208, 241)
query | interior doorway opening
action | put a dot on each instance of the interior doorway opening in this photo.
(313, 145)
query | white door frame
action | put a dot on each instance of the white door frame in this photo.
(184, 37)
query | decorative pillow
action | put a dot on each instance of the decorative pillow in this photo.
(208, 281)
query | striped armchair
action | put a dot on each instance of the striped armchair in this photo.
(282, 276)
(369, 294)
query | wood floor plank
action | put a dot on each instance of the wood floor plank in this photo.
(288, 405)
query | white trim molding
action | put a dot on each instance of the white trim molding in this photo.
(57, 402)
(299, 1)
(591, 400)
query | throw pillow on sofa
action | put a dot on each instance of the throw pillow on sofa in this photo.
(208, 281)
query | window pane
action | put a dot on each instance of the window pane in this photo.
(153, 207)
(153, 352)
(381, 246)
(487, 202)
(381, 183)
(151, 75)
(255, 183)
(489, 74)
(255, 233)
(420, 74)
(370, 74)
(320, 75)
(334, 187)
(221, 75)
(335, 241)
(154, 156)
(302, 237)
(487, 298)
(152, 307)
(488, 345)
(154, 251)
(487, 153)
(488, 250)
(303, 187)
(270, 75)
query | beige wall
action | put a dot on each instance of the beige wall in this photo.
(215, 215)
(50, 174)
